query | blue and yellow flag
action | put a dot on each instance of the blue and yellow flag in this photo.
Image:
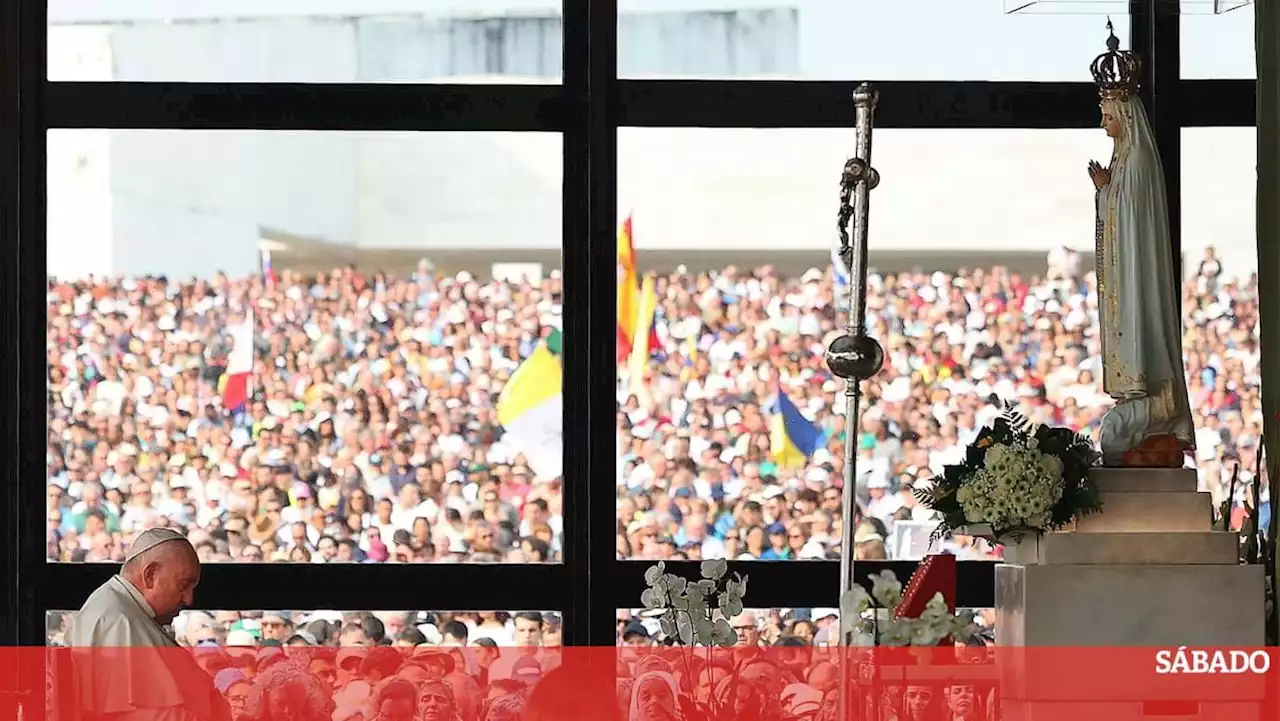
(793, 438)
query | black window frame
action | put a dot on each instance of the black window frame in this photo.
(587, 108)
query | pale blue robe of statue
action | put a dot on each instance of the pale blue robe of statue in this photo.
(1139, 304)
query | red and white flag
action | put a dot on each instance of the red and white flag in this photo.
(238, 379)
(268, 273)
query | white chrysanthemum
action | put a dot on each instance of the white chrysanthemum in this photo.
(1052, 466)
(1017, 486)
(995, 454)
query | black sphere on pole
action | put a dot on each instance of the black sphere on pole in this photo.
(855, 358)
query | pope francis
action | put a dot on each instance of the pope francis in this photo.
(125, 663)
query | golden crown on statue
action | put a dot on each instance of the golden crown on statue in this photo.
(1116, 71)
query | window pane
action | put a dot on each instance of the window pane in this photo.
(1219, 236)
(483, 656)
(774, 627)
(358, 416)
(258, 629)
(738, 228)
(337, 41)
(1219, 46)
(823, 40)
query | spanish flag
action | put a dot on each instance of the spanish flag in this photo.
(629, 300)
(793, 438)
(638, 363)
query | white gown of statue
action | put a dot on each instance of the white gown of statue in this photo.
(1139, 305)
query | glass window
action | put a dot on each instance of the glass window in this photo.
(737, 229)
(348, 629)
(286, 41)
(774, 627)
(1219, 46)
(1219, 242)
(823, 40)
(756, 626)
(486, 661)
(303, 346)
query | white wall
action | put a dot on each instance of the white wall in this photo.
(81, 227)
(978, 189)
(190, 202)
(184, 201)
(858, 39)
(459, 190)
(1219, 195)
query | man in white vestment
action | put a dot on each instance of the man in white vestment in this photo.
(126, 665)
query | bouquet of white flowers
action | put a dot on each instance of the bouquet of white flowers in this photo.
(1016, 478)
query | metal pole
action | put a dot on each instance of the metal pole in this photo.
(855, 327)
(854, 356)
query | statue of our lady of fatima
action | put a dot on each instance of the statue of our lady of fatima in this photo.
(1139, 306)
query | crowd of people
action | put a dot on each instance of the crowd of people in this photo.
(696, 476)
(371, 432)
(427, 666)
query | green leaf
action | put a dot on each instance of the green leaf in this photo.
(553, 341)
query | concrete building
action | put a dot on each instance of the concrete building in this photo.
(189, 202)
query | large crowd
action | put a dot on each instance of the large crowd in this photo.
(496, 666)
(371, 433)
(696, 477)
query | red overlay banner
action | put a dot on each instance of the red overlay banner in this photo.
(632, 683)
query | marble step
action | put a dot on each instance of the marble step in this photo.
(1144, 480)
(1130, 605)
(1097, 549)
(1138, 511)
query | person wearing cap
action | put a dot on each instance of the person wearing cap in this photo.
(302, 637)
(276, 625)
(379, 663)
(634, 634)
(131, 612)
(882, 504)
(436, 661)
(527, 671)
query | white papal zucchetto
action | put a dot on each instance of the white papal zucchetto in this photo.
(151, 538)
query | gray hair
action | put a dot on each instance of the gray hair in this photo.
(509, 707)
(286, 673)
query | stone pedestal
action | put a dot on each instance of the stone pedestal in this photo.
(1148, 571)
(1135, 604)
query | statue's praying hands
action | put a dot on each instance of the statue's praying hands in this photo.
(1100, 176)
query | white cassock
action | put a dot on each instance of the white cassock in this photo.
(124, 665)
